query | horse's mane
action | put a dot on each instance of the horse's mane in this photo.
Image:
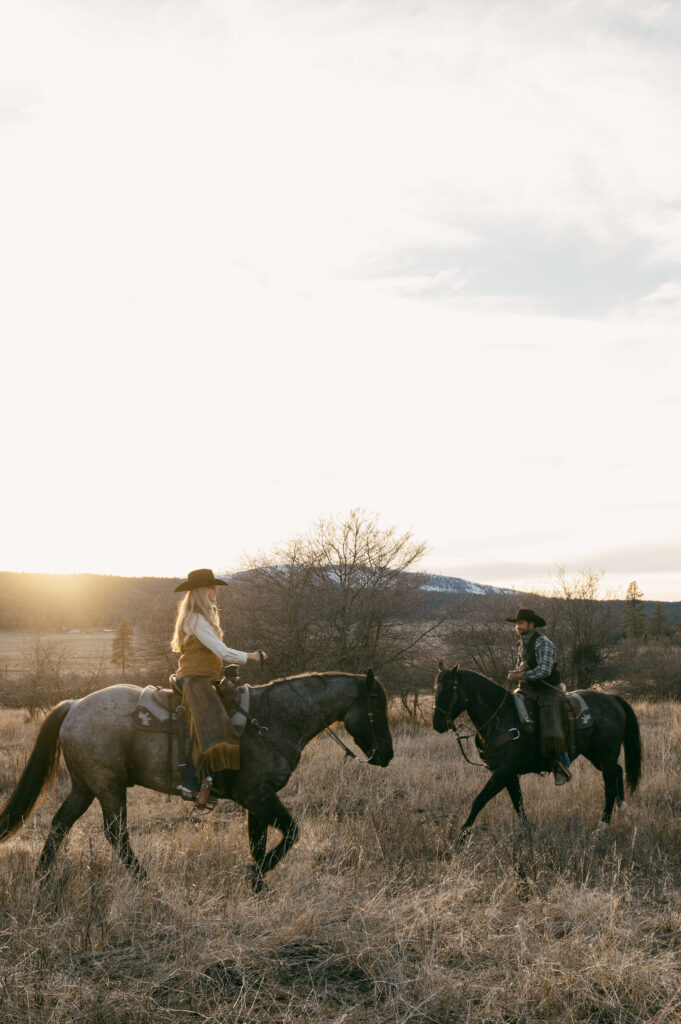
(306, 675)
(479, 678)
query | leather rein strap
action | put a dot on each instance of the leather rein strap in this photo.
(488, 748)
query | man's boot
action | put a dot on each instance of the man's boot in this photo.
(561, 774)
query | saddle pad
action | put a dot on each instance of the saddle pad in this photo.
(149, 713)
(581, 710)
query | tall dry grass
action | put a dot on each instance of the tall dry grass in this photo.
(373, 916)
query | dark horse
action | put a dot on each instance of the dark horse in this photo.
(105, 753)
(514, 752)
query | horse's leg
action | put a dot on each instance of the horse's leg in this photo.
(257, 839)
(610, 783)
(114, 809)
(515, 793)
(500, 780)
(269, 810)
(621, 802)
(76, 804)
(606, 764)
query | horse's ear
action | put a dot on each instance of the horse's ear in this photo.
(371, 680)
(455, 668)
(441, 666)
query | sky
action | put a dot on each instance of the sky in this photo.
(262, 263)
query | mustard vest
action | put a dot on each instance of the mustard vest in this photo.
(197, 660)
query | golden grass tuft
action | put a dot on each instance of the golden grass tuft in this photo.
(373, 916)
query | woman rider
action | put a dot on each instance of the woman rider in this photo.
(198, 640)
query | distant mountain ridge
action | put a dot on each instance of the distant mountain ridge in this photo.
(434, 582)
(456, 585)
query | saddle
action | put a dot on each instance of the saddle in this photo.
(574, 712)
(159, 709)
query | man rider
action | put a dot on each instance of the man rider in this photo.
(536, 671)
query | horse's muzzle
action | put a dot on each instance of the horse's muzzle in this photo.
(382, 758)
(440, 721)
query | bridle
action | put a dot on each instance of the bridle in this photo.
(451, 724)
(374, 742)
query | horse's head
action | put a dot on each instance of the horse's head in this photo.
(449, 700)
(367, 721)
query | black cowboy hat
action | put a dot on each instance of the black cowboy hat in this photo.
(198, 578)
(527, 615)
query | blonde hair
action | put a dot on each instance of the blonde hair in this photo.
(195, 602)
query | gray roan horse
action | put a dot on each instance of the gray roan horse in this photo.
(105, 754)
(512, 752)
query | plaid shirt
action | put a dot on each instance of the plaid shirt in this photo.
(544, 652)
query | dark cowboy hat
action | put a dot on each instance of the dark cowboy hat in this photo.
(527, 615)
(198, 578)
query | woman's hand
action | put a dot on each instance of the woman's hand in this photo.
(257, 656)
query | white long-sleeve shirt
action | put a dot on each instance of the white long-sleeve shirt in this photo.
(197, 625)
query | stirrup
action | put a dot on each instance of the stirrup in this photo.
(561, 774)
(192, 795)
(199, 809)
(186, 793)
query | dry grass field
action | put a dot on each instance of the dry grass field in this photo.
(76, 650)
(373, 916)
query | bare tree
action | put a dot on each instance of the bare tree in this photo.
(584, 626)
(344, 596)
(479, 636)
(43, 668)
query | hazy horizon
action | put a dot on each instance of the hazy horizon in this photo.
(543, 584)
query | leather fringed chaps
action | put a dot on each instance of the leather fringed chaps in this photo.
(551, 728)
(215, 742)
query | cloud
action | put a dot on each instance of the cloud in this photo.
(655, 561)
(662, 557)
(559, 272)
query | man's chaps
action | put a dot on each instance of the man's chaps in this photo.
(551, 731)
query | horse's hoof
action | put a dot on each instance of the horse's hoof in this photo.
(623, 805)
(603, 826)
(462, 839)
(256, 879)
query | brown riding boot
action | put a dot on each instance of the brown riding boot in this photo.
(203, 801)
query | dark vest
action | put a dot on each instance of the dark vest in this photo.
(530, 652)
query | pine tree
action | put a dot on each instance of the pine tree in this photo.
(633, 616)
(658, 622)
(122, 645)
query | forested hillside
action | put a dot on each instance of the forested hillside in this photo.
(36, 601)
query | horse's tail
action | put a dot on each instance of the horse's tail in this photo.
(633, 749)
(40, 769)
